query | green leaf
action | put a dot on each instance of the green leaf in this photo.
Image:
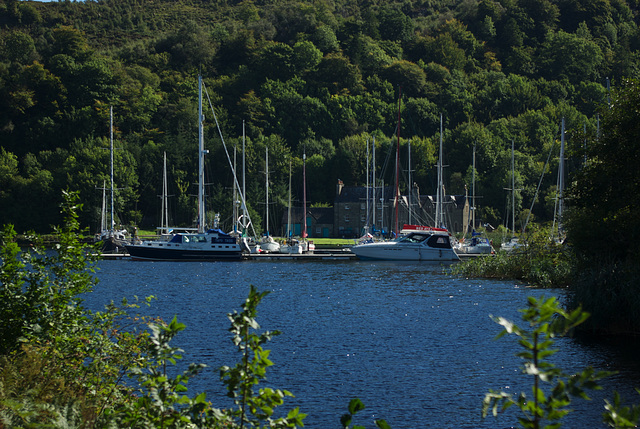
(355, 405)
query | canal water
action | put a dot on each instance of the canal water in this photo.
(414, 343)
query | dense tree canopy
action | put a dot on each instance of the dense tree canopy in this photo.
(324, 75)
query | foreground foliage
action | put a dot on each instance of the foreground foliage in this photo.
(553, 390)
(63, 365)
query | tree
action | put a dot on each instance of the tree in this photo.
(275, 61)
(604, 193)
(395, 25)
(338, 75)
(568, 55)
(18, 47)
(305, 56)
(604, 196)
(408, 75)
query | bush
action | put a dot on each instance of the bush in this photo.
(541, 262)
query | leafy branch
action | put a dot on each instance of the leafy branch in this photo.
(546, 321)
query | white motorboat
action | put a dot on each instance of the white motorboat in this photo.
(420, 243)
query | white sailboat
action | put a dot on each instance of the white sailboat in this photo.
(267, 243)
(111, 240)
(291, 245)
(204, 245)
(477, 245)
(307, 245)
(514, 242)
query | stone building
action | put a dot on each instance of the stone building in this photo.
(351, 214)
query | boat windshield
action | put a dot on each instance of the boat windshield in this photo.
(414, 238)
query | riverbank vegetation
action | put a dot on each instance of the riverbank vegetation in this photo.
(540, 261)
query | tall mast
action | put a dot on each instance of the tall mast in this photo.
(367, 193)
(103, 218)
(112, 222)
(201, 153)
(266, 185)
(396, 198)
(561, 179)
(439, 196)
(304, 193)
(473, 190)
(164, 223)
(289, 206)
(244, 184)
(235, 191)
(410, 182)
(373, 174)
(513, 189)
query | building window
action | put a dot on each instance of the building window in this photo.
(363, 218)
(363, 206)
(346, 206)
(346, 218)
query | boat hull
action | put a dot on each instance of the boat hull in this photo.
(393, 251)
(475, 250)
(156, 252)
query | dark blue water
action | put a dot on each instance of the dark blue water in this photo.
(415, 344)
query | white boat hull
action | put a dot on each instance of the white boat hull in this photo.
(270, 247)
(479, 249)
(436, 248)
(295, 249)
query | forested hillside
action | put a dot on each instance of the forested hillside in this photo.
(320, 75)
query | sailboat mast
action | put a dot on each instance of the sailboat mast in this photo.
(513, 189)
(410, 182)
(473, 190)
(266, 184)
(304, 193)
(201, 153)
(103, 218)
(244, 184)
(112, 222)
(235, 191)
(164, 223)
(396, 198)
(373, 175)
(561, 179)
(439, 196)
(289, 206)
(368, 191)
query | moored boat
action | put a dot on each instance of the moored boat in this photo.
(207, 246)
(203, 245)
(417, 243)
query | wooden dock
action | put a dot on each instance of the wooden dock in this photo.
(318, 255)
